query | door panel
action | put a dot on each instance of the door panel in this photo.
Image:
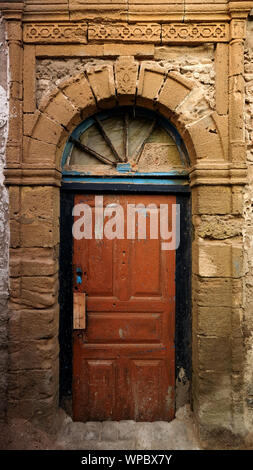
(100, 377)
(128, 328)
(124, 362)
(147, 385)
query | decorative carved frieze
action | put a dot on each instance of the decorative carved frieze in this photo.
(195, 32)
(53, 33)
(143, 32)
(69, 32)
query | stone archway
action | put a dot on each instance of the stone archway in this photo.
(127, 83)
(34, 195)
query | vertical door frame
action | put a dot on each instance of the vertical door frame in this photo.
(183, 327)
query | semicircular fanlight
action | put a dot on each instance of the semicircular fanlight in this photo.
(128, 135)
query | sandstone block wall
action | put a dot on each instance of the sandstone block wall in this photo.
(192, 64)
(4, 225)
(248, 224)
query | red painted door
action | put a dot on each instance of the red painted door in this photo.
(124, 361)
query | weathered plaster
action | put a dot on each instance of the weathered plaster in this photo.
(195, 63)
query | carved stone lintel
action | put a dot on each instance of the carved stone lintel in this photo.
(194, 32)
(53, 33)
(143, 32)
(69, 32)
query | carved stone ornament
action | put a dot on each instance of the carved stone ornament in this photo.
(55, 33)
(68, 32)
(126, 75)
(143, 32)
(194, 32)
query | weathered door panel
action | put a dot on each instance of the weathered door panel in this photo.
(124, 361)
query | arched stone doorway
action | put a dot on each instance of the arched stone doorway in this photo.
(126, 303)
(216, 181)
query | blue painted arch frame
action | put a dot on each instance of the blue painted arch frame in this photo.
(172, 177)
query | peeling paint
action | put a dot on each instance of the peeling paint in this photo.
(124, 167)
(121, 333)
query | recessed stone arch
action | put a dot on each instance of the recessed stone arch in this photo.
(126, 83)
(35, 231)
(100, 87)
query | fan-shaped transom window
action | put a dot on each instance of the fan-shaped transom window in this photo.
(126, 139)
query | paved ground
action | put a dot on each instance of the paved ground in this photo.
(179, 434)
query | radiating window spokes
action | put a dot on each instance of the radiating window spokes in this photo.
(125, 137)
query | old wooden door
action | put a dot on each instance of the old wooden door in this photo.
(124, 361)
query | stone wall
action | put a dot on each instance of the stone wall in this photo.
(248, 231)
(4, 226)
(193, 74)
(195, 63)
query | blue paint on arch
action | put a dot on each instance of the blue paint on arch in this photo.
(117, 179)
(124, 167)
